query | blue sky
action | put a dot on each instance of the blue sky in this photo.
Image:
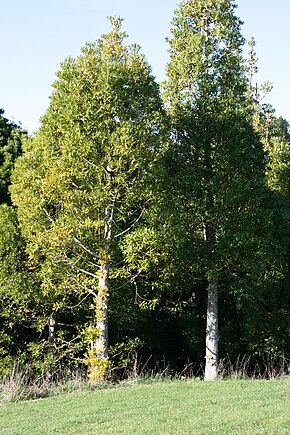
(36, 35)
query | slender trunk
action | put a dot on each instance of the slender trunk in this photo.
(101, 302)
(211, 341)
(52, 324)
(98, 355)
(103, 288)
(211, 365)
(52, 328)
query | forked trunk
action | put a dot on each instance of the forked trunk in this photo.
(211, 365)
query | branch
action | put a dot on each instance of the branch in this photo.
(86, 272)
(131, 226)
(48, 215)
(85, 248)
(76, 218)
(84, 288)
(131, 280)
(90, 163)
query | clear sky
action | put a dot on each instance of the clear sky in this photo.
(36, 35)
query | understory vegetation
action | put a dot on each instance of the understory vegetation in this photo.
(145, 228)
(22, 385)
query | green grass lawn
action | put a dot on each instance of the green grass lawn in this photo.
(184, 407)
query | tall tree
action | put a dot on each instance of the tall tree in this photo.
(18, 283)
(19, 303)
(278, 150)
(216, 154)
(11, 136)
(82, 183)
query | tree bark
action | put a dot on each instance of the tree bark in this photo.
(52, 328)
(211, 365)
(98, 354)
(103, 288)
(101, 302)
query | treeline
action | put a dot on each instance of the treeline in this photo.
(148, 224)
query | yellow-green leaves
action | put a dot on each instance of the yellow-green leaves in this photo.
(83, 182)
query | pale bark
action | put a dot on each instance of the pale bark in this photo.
(101, 302)
(211, 365)
(52, 328)
(103, 287)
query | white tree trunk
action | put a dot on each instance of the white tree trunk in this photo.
(102, 313)
(51, 328)
(211, 364)
(103, 288)
(98, 364)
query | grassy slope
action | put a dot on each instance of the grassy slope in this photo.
(186, 407)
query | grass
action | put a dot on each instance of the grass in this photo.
(176, 407)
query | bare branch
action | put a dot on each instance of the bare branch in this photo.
(120, 286)
(131, 226)
(76, 218)
(74, 265)
(90, 291)
(85, 248)
(48, 215)
(86, 272)
(90, 163)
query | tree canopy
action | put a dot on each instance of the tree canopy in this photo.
(90, 166)
(148, 227)
(11, 136)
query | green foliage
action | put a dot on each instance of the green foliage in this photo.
(18, 287)
(25, 309)
(217, 172)
(113, 202)
(11, 138)
(213, 140)
(270, 298)
(278, 150)
(206, 67)
(104, 116)
(83, 182)
(124, 356)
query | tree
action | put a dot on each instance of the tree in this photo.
(18, 282)
(217, 157)
(18, 290)
(82, 183)
(276, 137)
(11, 136)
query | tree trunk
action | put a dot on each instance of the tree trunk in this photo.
(52, 328)
(98, 355)
(101, 302)
(52, 325)
(103, 288)
(211, 365)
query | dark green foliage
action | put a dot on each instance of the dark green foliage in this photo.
(209, 198)
(17, 287)
(11, 137)
(217, 168)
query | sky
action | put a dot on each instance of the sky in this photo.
(37, 35)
